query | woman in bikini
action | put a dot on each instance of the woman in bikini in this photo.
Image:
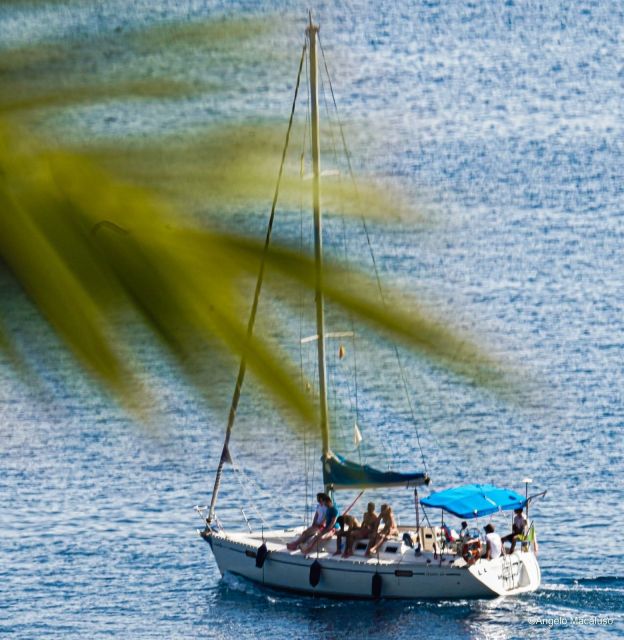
(388, 530)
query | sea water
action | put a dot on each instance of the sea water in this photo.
(503, 122)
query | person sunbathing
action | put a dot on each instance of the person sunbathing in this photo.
(369, 522)
(388, 530)
(328, 529)
(347, 524)
(317, 523)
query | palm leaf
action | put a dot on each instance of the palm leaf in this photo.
(87, 237)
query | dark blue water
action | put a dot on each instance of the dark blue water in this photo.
(503, 122)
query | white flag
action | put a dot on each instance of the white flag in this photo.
(357, 436)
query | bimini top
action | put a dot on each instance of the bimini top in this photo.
(344, 474)
(473, 500)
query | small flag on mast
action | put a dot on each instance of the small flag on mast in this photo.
(532, 537)
(357, 436)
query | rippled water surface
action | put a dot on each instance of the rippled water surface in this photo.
(504, 121)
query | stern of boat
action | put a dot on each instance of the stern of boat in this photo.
(509, 574)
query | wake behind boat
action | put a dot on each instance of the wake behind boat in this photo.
(411, 561)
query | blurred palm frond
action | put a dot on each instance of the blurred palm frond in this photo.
(87, 234)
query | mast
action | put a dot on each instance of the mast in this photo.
(318, 239)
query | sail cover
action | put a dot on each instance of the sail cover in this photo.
(344, 474)
(474, 500)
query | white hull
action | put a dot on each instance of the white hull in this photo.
(403, 573)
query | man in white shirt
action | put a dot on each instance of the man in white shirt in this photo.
(317, 524)
(494, 544)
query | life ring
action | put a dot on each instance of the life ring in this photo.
(471, 551)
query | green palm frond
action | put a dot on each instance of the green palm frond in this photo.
(236, 165)
(87, 234)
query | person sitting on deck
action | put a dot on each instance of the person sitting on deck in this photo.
(450, 535)
(518, 529)
(379, 536)
(369, 524)
(494, 544)
(328, 529)
(317, 523)
(351, 523)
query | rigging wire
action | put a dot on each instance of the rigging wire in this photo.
(243, 480)
(225, 453)
(353, 397)
(368, 240)
(337, 424)
(246, 482)
(390, 452)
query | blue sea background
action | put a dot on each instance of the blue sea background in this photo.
(503, 123)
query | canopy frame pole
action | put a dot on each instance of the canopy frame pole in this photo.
(527, 482)
(417, 509)
(443, 542)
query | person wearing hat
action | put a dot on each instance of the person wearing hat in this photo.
(494, 544)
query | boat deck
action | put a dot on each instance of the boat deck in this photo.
(432, 548)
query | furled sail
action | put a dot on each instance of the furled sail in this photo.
(344, 474)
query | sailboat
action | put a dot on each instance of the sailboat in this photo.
(422, 561)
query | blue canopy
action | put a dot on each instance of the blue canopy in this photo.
(473, 500)
(344, 474)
